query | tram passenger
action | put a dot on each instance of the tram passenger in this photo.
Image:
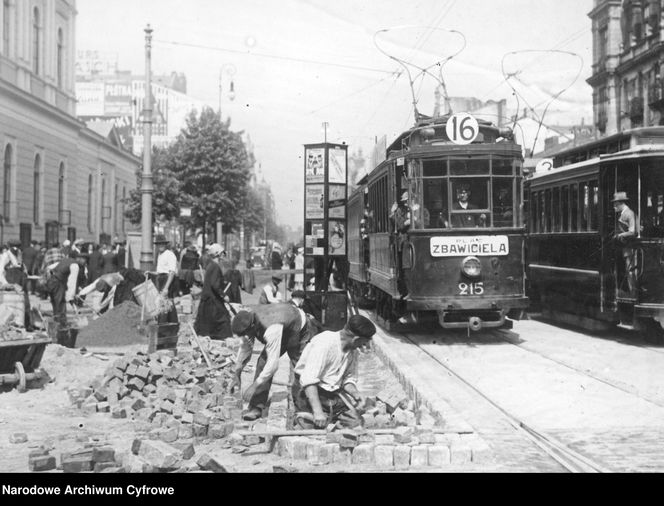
(626, 230)
(328, 373)
(400, 215)
(502, 208)
(465, 220)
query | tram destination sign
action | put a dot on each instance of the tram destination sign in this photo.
(478, 245)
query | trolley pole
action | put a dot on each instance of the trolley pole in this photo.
(147, 187)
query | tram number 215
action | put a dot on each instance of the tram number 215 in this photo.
(471, 288)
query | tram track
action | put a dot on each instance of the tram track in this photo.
(503, 336)
(569, 459)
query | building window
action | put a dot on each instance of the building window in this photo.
(61, 190)
(36, 191)
(5, 27)
(124, 197)
(6, 189)
(103, 200)
(36, 42)
(90, 189)
(60, 58)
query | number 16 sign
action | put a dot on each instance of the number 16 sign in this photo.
(462, 128)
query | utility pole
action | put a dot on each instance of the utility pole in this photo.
(147, 187)
(325, 125)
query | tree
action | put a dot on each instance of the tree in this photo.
(207, 168)
(166, 195)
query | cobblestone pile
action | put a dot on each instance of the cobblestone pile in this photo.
(174, 397)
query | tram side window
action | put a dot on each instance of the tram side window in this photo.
(555, 214)
(435, 202)
(542, 212)
(584, 202)
(594, 205)
(547, 210)
(652, 201)
(534, 212)
(471, 202)
(564, 207)
(574, 208)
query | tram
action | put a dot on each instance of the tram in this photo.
(436, 230)
(576, 267)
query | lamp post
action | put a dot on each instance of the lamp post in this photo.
(147, 187)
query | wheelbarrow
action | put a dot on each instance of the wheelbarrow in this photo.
(19, 361)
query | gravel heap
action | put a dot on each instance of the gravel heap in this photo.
(120, 326)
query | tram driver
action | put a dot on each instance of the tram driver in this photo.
(465, 220)
(626, 231)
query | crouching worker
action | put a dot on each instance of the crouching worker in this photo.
(281, 328)
(327, 373)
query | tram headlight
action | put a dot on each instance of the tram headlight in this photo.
(471, 267)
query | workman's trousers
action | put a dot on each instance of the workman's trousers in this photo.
(57, 291)
(294, 350)
(333, 406)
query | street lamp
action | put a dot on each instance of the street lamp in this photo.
(229, 70)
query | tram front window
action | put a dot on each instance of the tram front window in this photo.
(652, 202)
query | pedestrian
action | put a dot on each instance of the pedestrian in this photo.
(299, 265)
(167, 265)
(109, 262)
(275, 258)
(281, 329)
(66, 248)
(52, 256)
(188, 265)
(327, 373)
(76, 247)
(234, 277)
(95, 262)
(270, 293)
(121, 254)
(626, 231)
(30, 255)
(212, 318)
(65, 279)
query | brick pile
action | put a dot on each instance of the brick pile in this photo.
(392, 408)
(173, 397)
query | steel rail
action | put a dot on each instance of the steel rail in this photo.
(558, 451)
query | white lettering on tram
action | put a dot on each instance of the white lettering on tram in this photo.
(485, 245)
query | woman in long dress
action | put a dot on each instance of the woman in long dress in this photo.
(212, 318)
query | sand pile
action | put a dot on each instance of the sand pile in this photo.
(119, 326)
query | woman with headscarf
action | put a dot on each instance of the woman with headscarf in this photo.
(212, 318)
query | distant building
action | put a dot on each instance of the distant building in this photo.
(106, 94)
(59, 179)
(628, 56)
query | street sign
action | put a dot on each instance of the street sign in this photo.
(185, 212)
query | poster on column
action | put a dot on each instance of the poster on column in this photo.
(337, 166)
(315, 165)
(337, 201)
(314, 202)
(337, 235)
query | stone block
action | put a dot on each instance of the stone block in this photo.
(41, 463)
(103, 454)
(212, 463)
(159, 454)
(293, 447)
(384, 456)
(384, 439)
(142, 372)
(363, 454)
(403, 435)
(382, 421)
(169, 435)
(332, 437)
(327, 452)
(419, 456)
(72, 464)
(481, 452)
(343, 456)
(347, 438)
(439, 456)
(401, 456)
(188, 418)
(217, 430)
(368, 421)
(101, 467)
(187, 449)
(200, 430)
(185, 432)
(131, 370)
(314, 448)
(426, 437)
(166, 406)
(103, 407)
(18, 438)
(460, 453)
(202, 418)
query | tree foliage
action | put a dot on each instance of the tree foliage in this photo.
(208, 169)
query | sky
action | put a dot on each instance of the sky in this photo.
(297, 64)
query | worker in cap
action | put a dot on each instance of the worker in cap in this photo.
(328, 373)
(164, 280)
(270, 293)
(626, 230)
(213, 318)
(281, 328)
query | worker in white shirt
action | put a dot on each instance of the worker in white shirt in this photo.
(270, 293)
(167, 267)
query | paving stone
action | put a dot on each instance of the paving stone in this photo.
(160, 454)
(42, 463)
(403, 435)
(343, 456)
(401, 456)
(481, 453)
(363, 454)
(169, 435)
(460, 453)
(103, 454)
(185, 431)
(212, 463)
(347, 438)
(293, 447)
(419, 456)
(188, 450)
(76, 464)
(439, 456)
(384, 456)
(368, 421)
(199, 430)
(314, 449)
(327, 453)
(18, 438)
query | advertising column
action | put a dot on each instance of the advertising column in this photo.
(325, 241)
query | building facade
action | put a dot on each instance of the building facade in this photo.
(628, 59)
(59, 179)
(120, 98)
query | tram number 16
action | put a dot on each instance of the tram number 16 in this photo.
(471, 288)
(462, 128)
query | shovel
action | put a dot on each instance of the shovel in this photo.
(80, 321)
